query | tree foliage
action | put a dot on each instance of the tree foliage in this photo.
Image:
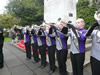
(86, 12)
(29, 11)
(7, 21)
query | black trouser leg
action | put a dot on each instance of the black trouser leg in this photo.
(35, 51)
(28, 50)
(77, 63)
(80, 62)
(74, 64)
(51, 55)
(95, 66)
(1, 57)
(62, 58)
(42, 50)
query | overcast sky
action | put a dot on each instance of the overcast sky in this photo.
(3, 3)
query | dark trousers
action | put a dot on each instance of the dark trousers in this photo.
(62, 58)
(35, 51)
(1, 57)
(77, 63)
(95, 66)
(42, 50)
(51, 55)
(28, 49)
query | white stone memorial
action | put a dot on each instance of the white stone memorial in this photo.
(64, 9)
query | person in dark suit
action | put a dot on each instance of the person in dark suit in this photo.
(1, 50)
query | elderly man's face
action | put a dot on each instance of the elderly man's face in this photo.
(79, 24)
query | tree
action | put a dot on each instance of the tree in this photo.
(29, 11)
(7, 21)
(86, 12)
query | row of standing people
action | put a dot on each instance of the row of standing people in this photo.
(57, 42)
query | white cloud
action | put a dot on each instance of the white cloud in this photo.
(3, 3)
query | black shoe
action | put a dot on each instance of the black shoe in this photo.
(49, 70)
(40, 66)
(38, 59)
(43, 66)
(27, 58)
(34, 61)
(52, 71)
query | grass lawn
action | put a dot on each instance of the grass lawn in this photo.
(7, 39)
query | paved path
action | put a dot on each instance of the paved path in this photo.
(15, 64)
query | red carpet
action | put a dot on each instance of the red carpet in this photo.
(22, 46)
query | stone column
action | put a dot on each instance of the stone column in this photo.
(64, 9)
